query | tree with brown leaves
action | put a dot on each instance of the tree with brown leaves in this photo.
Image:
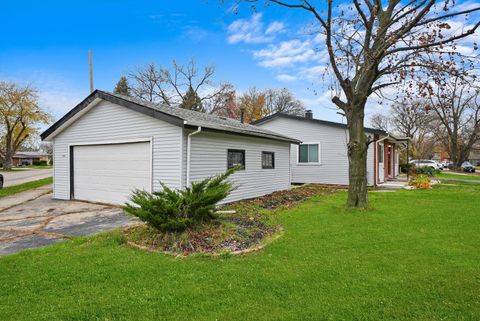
(372, 45)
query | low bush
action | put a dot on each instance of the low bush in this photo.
(406, 168)
(427, 170)
(40, 163)
(421, 181)
(176, 210)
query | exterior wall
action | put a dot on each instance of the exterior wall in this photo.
(474, 156)
(108, 122)
(209, 157)
(333, 167)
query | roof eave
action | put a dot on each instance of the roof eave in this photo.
(58, 126)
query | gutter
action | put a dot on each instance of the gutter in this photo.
(189, 145)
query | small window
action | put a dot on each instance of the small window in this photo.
(380, 153)
(309, 153)
(268, 160)
(236, 157)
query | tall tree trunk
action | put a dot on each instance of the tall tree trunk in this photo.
(357, 158)
(8, 160)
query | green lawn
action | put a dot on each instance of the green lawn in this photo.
(413, 256)
(7, 191)
(457, 176)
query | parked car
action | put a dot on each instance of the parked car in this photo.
(447, 164)
(426, 163)
(468, 167)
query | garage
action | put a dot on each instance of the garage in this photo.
(108, 173)
(109, 144)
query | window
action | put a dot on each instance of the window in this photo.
(268, 160)
(309, 153)
(235, 157)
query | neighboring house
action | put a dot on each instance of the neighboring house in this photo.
(322, 156)
(439, 154)
(474, 156)
(27, 158)
(109, 145)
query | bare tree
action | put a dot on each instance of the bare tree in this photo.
(408, 117)
(456, 104)
(47, 147)
(183, 85)
(283, 101)
(380, 121)
(371, 45)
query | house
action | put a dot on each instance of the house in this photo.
(109, 145)
(440, 154)
(28, 158)
(474, 156)
(322, 156)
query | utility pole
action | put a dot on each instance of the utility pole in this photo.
(91, 70)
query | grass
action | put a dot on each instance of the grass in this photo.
(412, 256)
(11, 190)
(450, 176)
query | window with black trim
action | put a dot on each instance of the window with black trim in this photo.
(236, 157)
(268, 160)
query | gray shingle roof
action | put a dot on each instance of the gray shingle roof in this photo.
(188, 117)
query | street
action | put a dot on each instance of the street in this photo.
(24, 176)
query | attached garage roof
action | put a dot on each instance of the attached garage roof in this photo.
(174, 115)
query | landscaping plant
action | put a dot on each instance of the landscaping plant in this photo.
(427, 170)
(421, 181)
(176, 210)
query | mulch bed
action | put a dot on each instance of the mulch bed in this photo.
(253, 223)
(293, 196)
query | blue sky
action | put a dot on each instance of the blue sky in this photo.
(46, 43)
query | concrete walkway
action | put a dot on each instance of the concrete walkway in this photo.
(393, 184)
(19, 198)
(33, 219)
(460, 180)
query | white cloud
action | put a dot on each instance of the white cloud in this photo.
(194, 33)
(58, 101)
(286, 53)
(275, 27)
(286, 78)
(253, 30)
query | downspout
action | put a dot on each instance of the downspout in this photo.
(189, 144)
(378, 141)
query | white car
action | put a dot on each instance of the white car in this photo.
(426, 163)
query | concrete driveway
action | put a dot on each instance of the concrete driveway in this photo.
(24, 176)
(43, 221)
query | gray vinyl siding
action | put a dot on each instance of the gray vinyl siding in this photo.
(333, 166)
(110, 122)
(209, 157)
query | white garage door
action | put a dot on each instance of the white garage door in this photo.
(109, 173)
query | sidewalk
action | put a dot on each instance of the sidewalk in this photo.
(22, 197)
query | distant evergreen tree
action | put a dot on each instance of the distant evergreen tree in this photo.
(192, 101)
(122, 87)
